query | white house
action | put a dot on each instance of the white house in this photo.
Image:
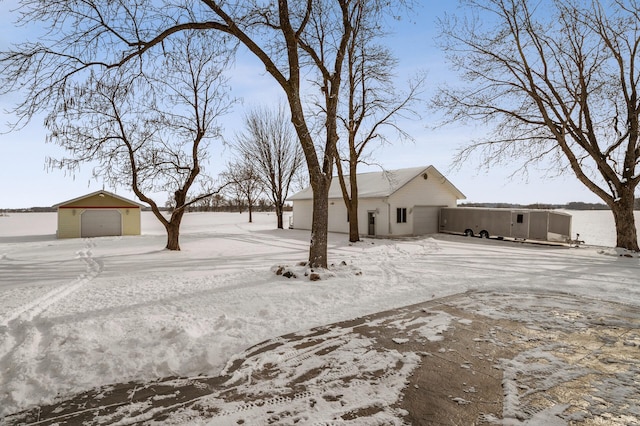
(391, 203)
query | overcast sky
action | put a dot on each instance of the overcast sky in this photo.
(26, 182)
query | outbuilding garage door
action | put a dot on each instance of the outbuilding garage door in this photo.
(100, 223)
(425, 220)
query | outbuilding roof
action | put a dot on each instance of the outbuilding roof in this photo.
(103, 193)
(382, 184)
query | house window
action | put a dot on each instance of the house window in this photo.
(401, 215)
(520, 218)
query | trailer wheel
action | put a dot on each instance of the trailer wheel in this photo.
(484, 234)
(468, 233)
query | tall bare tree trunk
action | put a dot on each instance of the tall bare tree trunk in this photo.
(173, 230)
(318, 257)
(279, 216)
(354, 232)
(352, 205)
(623, 215)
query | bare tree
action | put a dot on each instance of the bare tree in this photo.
(244, 182)
(289, 38)
(372, 104)
(559, 82)
(269, 141)
(151, 133)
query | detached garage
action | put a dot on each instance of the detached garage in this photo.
(98, 214)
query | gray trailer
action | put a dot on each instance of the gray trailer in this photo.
(541, 225)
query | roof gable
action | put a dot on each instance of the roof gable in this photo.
(102, 193)
(381, 184)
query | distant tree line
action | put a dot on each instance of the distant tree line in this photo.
(573, 205)
(29, 210)
(213, 204)
(220, 203)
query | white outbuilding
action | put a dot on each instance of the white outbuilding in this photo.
(400, 202)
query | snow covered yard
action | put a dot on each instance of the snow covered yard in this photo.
(76, 314)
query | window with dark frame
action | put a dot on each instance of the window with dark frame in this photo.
(520, 218)
(401, 215)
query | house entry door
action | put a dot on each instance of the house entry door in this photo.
(371, 220)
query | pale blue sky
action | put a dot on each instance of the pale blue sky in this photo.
(25, 182)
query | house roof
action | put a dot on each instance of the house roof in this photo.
(382, 184)
(103, 192)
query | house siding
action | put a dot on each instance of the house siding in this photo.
(338, 216)
(435, 191)
(302, 214)
(131, 221)
(380, 208)
(98, 201)
(68, 223)
(418, 192)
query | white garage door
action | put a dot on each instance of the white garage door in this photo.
(425, 220)
(100, 223)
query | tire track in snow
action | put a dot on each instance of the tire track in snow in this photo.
(328, 365)
(33, 309)
(21, 335)
(281, 407)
